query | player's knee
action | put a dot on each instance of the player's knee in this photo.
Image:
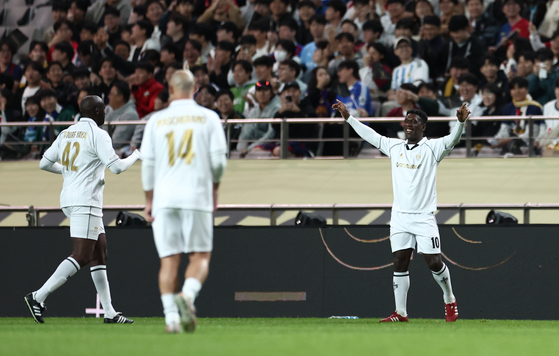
(434, 262)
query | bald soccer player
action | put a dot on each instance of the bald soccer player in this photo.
(184, 158)
(84, 151)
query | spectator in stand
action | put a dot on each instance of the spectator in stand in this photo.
(203, 34)
(542, 80)
(553, 44)
(486, 28)
(463, 45)
(88, 55)
(141, 35)
(38, 52)
(412, 70)
(431, 47)
(206, 97)
(220, 65)
(59, 12)
(154, 11)
(222, 11)
(170, 70)
(335, 11)
(284, 50)
(263, 68)
(513, 50)
(227, 31)
(307, 11)
(247, 50)
(512, 9)
(448, 8)
(288, 31)
(526, 61)
(426, 100)
(423, 8)
(122, 50)
(138, 14)
(372, 31)
(9, 112)
(242, 71)
(468, 85)
(317, 24)
(224, 105)
(350, 27)
(145, 89)
(201, 78)
(288, 71)
(122, 108)
(376, 75)
(95, 11)
(259, 29)
(33, 113)
(395, 11)
(54, 111)
(320, 92)
(354, 94)
(346, 48)
(493, 75)
(192, 53)
(551, 134)
(361, 12)
(492, 106)
(278, 8)
(82, 79)
(404, 28)
(169, 54)
(322, 55)
(161, 102)
(458, 66)
(63, 53)
(63, 33)
(7, 50)
(267, 106)
(88, 32)
(66, 93)
(33, 73)
(106, 78)
(111, 19)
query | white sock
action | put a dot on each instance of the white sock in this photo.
(99, 276)
(191, 288)
(65, 270)
(170, 309)
(401, 284)
(443, 279)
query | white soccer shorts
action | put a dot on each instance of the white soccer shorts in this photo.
(408, 229)
(177, 231)
(86, 222)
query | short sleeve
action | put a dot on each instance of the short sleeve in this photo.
(104, 148)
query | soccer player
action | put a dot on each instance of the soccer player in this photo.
(414, 175)
(184, 151)
(84, 151)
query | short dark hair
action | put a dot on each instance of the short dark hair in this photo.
(544, 54)
(379, 47)
(150, 2)
(140, 10)
(65, 48)
(528, 56)
(555, 35)
(458, 23)
(288, 46)
(81, 73)
(406, 23)
(420, 113)
(290, 23)
(247, 67)
(109, 10)
(350, 64)
(86, 47)
(557, 83)
(229, 26)
(261, 25)
(373, 26)
(319, 19)
(432, 20)
(55, 63)
(347, 36)
(45, 93)
(197, 45)
(172, 49)
(163, 95)
(498, 92)
(263, 61)
(428, 86)
(124, 43)
(151, 55)
(43, 45)
(59, 23)
(146, 26)
(459, 62)
(210, 89)
(492, 60)
(401, 2)
(145, 65)
(292, 65)
(203, 68)
(36, 66)
(351, 23)
(468, 78)
(107, 59)
(226, 46)
(339, 6)
(410, 87)
(225, 92)
(203, 30)
(519, 82)
(180, 20)
(307, 3)
(248, 39)
(123, 89)
(60, 6)
(10, 43)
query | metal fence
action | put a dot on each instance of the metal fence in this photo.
(33, 214)
(345, 137)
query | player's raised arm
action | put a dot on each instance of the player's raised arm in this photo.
(366, 133)
(462, 115)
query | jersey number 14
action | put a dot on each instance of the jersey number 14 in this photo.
(185, 148)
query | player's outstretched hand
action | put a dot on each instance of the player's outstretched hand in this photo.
(339, 106)
(463, 113)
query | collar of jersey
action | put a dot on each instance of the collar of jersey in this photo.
(181, 102)
(422, 141)
(87, 119)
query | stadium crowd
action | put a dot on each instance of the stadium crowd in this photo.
(290, 59)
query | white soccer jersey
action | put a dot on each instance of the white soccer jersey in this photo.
(84, 151)
(179, 141)
(550, 110)
(414, 167)
(415, 72)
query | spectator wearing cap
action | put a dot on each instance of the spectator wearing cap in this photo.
(95, 11)
(448, 8)
(219, 66)
(542, 80)
(122, 108)
(7, 50)
(54, 111)
(288, 32)
(111, 20)
(486, 28)
(515, 22)
(395, 11)
(374, 74)
(463, 44)
(33, 73)
(346, 47)
(203, 34)
(317, 25)
(354, 94)
(335, 11)
(227, 31)
(411, 70)
(431, 46)
(145, 88)
(259, 29)
(176, 33)
(492, 75)
(267, 105)
(59, 12)
(220, 11)
(307, 10)
(404, 28)
(289, 71)
(242, 72)
(206, 97)
(553, 44)
(141, 35)
(66, 93)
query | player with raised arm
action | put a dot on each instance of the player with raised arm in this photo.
(183, 152)
(414, 179)
(85, 151)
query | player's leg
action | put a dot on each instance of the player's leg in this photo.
(196, 274)
(168, 273)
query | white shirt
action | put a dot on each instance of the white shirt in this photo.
(550, 109)
(414, 167)
(84, 151)
(178, 143)
(415, 72)
(27, 93)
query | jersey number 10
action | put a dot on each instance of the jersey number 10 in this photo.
(185, 148)
(66, 156)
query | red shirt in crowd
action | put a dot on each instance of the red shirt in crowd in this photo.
(145, 96)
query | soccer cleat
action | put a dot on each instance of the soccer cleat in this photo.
(118, 319)
(394, 318)
(451, 312)
(35, 308)
(188, 313)
(173, 328)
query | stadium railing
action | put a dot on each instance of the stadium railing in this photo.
(33, 214)
(284, 130)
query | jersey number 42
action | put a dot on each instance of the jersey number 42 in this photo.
(66, 156)
(185, 147)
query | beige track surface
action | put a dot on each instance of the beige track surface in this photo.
(516, 180)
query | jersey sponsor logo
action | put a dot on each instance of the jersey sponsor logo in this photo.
(181, 120)
(408, 166)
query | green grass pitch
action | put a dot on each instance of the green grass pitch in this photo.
(89, 336)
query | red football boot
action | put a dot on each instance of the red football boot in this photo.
(451, 312)
(394, 317)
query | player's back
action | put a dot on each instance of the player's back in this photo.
(180, 141)
(82, 169)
